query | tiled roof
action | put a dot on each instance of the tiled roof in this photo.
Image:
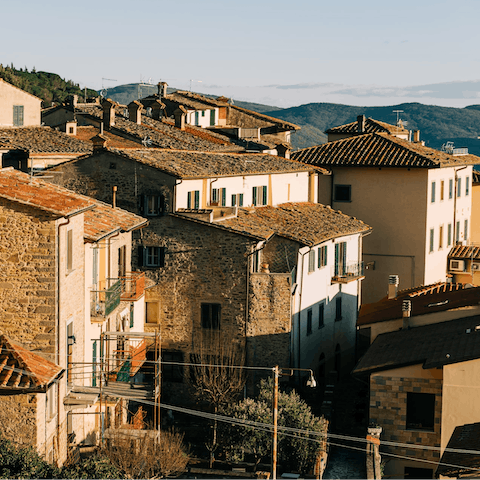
(379, 150)
(22, 369)
(468, 252)
(162, 133)
(87, 133)
(20, 187)
(188, 164)
(41, 140)
(432, 346)
(455, 463)
(104, 220)
(476, 177)
(267, 118)
(425, 299)
(370, 126)
(304, 222)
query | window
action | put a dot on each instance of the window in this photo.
(450, 189)
(193, 200)
(210, 313)
(172, 373)
(152, 205)
(467, 186)
(259, 196)
(442, 188)
(420, 411)
(219, 196)
(449, 235)
(432, 239)
(212, 118)
(122, 261)
(459, 187)
(196, 118)
(94, 364)
(151, 312)
(309, 321)
(256, 261)
(18, 115)
(311, 261)
(151, 256)
(340, 258)
(203, 113)
(457, 232)
(440, 237)
(343, 193)
(69, 250)
(338, 309)
(432, 197)
(321, 315)
(237, 200)
(132, 316)
(52, 401)
(70, 343)
(322, 256)
(465, 230)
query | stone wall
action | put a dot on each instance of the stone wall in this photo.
(27, 284)
(280, 254)
(18, 410)
(388, 409)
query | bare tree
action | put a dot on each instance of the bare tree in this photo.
(140, 454)
(216, 379)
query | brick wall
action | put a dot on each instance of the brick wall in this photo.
(388, 409)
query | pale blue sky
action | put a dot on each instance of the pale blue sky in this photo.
(246, 43)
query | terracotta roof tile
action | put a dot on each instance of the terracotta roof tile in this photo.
(371, 126)
(306, 223)
(424, 300)
(87, 133)
(432, 346)
(23, 369)
(379, 150)
(41, 140)
(20, 187)
(192, 164)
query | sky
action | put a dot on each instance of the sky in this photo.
(278, 52)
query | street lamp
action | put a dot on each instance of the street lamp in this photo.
(276, 374)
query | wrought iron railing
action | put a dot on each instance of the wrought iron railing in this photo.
(104, 302)
(347, 272)
(133, 286)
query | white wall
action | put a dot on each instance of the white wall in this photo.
(203, 117)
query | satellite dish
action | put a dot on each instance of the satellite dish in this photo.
(103, 92)
(147, 141)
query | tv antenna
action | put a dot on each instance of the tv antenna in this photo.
(147, 141)
(398, 112)
(103, 91)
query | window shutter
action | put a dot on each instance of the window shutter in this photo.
(160, 203)
(240, 200)
(254, 196)
(265, 201)
(336, 258)
(161, 257)
(141, 256)
(197, 199)
(344, 259)
(234, 200)
(224, 197)
(189, 200)
(141, 204)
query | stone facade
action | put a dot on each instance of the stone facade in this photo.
(388, 408)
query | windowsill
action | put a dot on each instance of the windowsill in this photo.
(428, 430)
(342, 201)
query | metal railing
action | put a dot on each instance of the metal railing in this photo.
(344, 273)
(132, 285)
(104, 302)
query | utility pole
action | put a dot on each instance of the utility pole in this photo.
(276, 374)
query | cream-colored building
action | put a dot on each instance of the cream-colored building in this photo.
(424, 383)
(418, 201)
(17, 107)
(46, 301)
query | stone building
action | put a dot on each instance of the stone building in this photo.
(423, 384)
(48, 240)
(17, 107)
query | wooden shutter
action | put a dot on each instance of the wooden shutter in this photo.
(224, 197)
(189, 200)
(240, 200)
(234, 200)
(264, 199)
(197, 199)
(254, 196)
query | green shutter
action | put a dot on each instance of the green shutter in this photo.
(224, 197)
(94, 360)
(189, 200)
(254, 196)
(265, 200)
(197, 199)
(212, 118)
(234, 200)
(240, 200)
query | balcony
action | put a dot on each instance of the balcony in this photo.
(347, 272)
(132, 286)
(104, 301)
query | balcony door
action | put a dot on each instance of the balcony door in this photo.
(340, 258)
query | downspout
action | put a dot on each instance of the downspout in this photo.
(174, 209)
(300, 306)
(57, 361)
(210, 190)
(332, 176)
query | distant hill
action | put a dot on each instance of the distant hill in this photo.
(50, 87)
(437, 125)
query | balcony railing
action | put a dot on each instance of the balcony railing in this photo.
(104, 302)
(347, 272)
(133, 286)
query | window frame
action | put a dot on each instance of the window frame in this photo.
(147, 253)
(69, 256)
(348, 191)
(440, 237)
(193, 201)
(450, 188)
(432, 241)
(413, 408)
(432, 192)
(18, 119)
(459, 187)
(449, 235)
(467, 186)
(210, 315)
(322, 256)
(309, 321)
(260, 196)
(442, 190)
(311, 261)
(321, 315)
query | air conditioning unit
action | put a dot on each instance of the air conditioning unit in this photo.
(476, 266)
(457, 265)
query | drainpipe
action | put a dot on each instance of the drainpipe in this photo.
(455, 205)
(211, 189)
(174, 209)
(300, 306)
(57, 361)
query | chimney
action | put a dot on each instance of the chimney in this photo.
(108, 106)
(406, 309)
(392, 286)
(180, 113)
(361, 124)
(73, 100)
(283, 150)
(135, 112)
(162, 89)
(99, 142)
(114, 196)
(158, 109)
(416, 136)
